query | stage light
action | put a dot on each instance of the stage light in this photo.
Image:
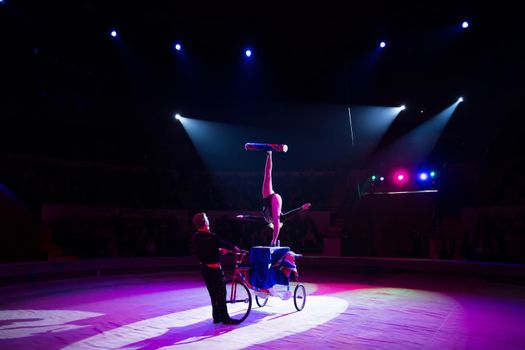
(432, 174)
(382, 44)
(423, 176)
(178, 46)
(460, 99)
(248, 53)
(464, 24)
(113, 33)
(381, 178)
(178, 117)
(373, 178)
(400, 176)
(402, 107)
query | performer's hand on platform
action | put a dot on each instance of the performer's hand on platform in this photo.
(306, 206)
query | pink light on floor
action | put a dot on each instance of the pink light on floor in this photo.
(172, 311)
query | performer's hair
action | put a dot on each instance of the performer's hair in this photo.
(198, 220)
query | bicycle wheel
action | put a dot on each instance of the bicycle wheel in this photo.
(299, 297)
(261, 301)
(238, 300)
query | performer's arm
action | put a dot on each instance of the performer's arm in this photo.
(292, 212)
(225, 244)
(256, 218)
(276, 211)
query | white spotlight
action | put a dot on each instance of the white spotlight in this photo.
(402, 107)
(464, 24)
(382, 44)
(113, 33)
(178, 46)
(248, 53)
(178, 116)
(460, 99)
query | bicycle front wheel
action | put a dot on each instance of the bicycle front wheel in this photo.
(261, 301)
(238, 300)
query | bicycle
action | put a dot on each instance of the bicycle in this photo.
(239, 297)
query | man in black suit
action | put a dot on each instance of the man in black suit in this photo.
(205, 245)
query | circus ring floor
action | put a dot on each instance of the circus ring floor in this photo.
(344, 310)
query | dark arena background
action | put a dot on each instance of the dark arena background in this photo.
(120, 120)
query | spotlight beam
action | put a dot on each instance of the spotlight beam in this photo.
(418, 143)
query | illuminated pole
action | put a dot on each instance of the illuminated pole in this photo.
(351, 127)
(348, 102)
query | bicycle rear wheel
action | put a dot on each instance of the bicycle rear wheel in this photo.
(238, 300)
(299, 297)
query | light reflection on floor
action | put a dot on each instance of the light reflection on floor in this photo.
(171, 311)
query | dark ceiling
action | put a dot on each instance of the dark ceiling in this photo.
(70, 90)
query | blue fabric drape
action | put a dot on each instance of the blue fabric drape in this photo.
(262, 274)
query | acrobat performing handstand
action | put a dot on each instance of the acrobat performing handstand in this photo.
(272, 202)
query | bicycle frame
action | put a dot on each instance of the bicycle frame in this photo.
(239, 297)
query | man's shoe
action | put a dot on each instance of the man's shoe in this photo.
(231, 321)
(217, 321)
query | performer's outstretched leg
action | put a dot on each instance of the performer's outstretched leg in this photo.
(273, 205)
(267, 188)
